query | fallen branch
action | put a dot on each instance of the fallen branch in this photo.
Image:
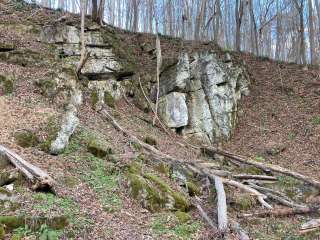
(256, 177)
(205, 216)
(284, 200)
(39, 178)
(310, 226)
(264, 166)
(281, 212)
(261, 197)
(221, 205)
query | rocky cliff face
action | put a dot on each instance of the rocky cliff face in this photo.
(200, 95)
(199, 91)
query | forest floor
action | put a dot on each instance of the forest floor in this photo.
(283, 109)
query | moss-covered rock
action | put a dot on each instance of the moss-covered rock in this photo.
(175, 200)
(134, 167)
(193, 188)
(51, 130)
(183, 217)
(108, 99)
(94, 98)
(23, 57)
(2, 231)
(4, 47)
(142, 190)
(7, 83)
(154, 193)
(26, 138)
(150, 140)
(163, 168)
(98, 148)
(243, 201)
(35, 223)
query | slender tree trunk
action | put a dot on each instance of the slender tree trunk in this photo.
(199, 20)
(94, 10)
(279, 27)
(311, 34)
(238, 15)
(217, 21)
(101, 12)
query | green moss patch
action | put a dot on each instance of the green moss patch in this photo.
(183, 217)
(26, 138)
(150, 140)
(154, 193)
(109, 100)
(98, 148)
(7, 83)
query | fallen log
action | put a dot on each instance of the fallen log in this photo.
(284, 200)
(310, 226)
(255, 177)
(263, 166)
(39, 178)
(281, 212)
(221, 205)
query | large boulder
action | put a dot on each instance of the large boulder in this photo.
(202, 96)
(173, 110)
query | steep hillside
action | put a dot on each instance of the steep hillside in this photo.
(108, 186)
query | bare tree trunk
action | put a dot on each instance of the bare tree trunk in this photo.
(199, 20)
(94, 10)
(101, 12)
(238, 14)
(254, 37)
(302, 53)
(135, 16)
(217, 21)
(279, 27)
(311, 34)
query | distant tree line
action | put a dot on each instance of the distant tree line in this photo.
(287, 30)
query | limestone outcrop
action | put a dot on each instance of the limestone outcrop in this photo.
(199, 91)
(211, 90)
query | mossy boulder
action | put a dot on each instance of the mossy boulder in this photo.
(109, 100)
(94, 99)
(183, 217)
(23, 57)
(2, 231)
(4, 47)
(51, 130)
(150, 140)
(35, 223)
(7, 83)
(99, 148)
(154, 193)
(243, 201)
(26, 138)
(193, 188)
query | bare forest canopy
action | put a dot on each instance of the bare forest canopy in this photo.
(286, 30)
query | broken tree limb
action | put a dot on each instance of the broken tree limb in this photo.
(205, 216)
(263, 166)
(39, 178)
(310, 226)
(235, 227)
(255, 177)
(279, 197)
(281, 212)
(261, 197)
(221, 205)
